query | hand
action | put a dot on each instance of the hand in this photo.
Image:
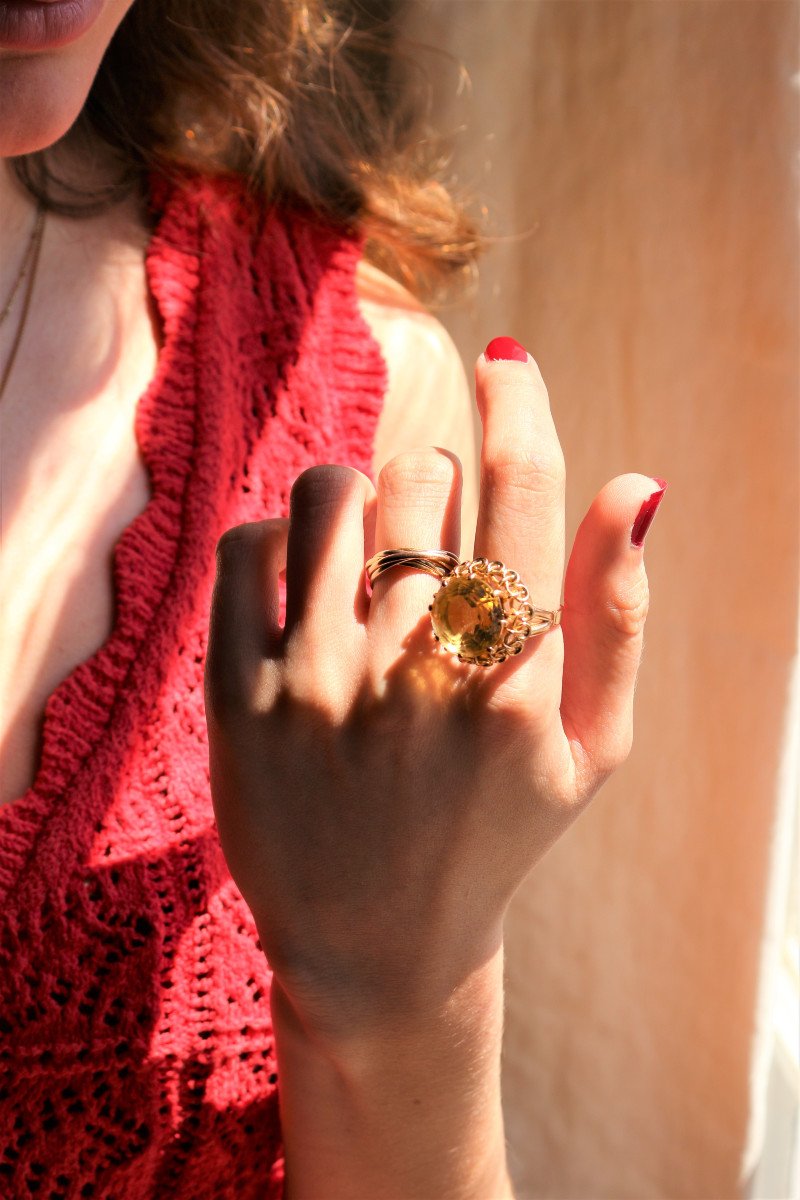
(379, 802)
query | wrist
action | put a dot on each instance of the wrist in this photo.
(353, 1005)
(405, 1108)
(443, 1014)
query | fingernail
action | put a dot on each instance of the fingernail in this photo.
(647, 512)
(505, 349)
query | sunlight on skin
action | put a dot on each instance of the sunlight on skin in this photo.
(71, 474)
(62, 500)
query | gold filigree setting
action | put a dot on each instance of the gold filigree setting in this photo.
(482, 613)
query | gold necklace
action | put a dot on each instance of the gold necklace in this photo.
(32, 258)
(20, 274)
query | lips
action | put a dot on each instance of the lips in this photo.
(45, 24)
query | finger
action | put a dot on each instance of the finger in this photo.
(245, 609)
(419, 506)
(606, 600)
(522, 474)
(521, 512)
(326, 598)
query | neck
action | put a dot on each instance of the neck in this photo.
(86, 304)
(17, 215)
(123, 223)
(86, 265)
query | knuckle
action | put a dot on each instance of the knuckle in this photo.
(327, 483)
(627, 607)
(235, 538)
(519, 469)
(413, 470)
(248, 535)
(507, 384)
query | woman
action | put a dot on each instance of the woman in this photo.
(305, 998)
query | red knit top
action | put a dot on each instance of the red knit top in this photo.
(136, 1052)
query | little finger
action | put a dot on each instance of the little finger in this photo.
(244, 620)
(326, 597)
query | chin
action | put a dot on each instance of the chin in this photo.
(43, 91)
(37, 103)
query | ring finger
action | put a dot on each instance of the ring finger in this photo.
(419, 505)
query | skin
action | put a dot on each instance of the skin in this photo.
(42, 92)
(379, 803)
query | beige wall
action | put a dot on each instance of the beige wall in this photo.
(651, 147)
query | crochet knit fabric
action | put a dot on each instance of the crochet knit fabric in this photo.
(136, 1050)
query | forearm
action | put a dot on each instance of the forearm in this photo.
(411, 1114)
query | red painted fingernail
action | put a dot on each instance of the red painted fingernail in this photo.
(647, 512)
(505, 349)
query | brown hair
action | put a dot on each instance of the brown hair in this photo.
(318, 101)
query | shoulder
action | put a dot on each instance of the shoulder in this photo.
(403, 325)
(428, 401)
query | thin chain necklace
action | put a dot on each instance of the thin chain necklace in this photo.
(31, 260)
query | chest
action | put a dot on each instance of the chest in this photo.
(71, 480)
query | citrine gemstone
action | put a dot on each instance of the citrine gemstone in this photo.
(466, 617)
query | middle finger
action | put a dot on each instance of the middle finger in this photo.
(522, 475)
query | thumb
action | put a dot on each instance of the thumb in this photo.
(606, 600)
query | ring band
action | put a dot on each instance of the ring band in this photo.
(481, 612)
(434, 562)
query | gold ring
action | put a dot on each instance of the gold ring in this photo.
(482, 611)
(434, 562)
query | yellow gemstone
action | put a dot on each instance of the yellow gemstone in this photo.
(466, 617)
